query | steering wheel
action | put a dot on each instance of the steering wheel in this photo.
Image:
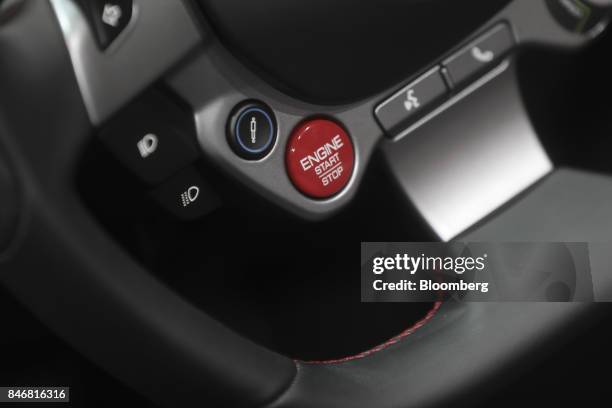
(271, 90)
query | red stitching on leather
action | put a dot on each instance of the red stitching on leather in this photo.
(384, 345)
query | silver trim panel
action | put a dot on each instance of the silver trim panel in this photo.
(160, 34)
(472, 159)
(214, 83)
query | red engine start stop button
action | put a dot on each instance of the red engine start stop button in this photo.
(320, 158)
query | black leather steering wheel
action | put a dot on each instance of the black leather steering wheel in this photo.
(61, 83)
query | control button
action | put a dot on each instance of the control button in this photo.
(320, 158)
(479, 55)
(108, 18)
(152, 137)
(186, 195)
(580, 16)
(412, 102)
(252, 130)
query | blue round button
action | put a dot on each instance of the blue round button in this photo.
(252, 130)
